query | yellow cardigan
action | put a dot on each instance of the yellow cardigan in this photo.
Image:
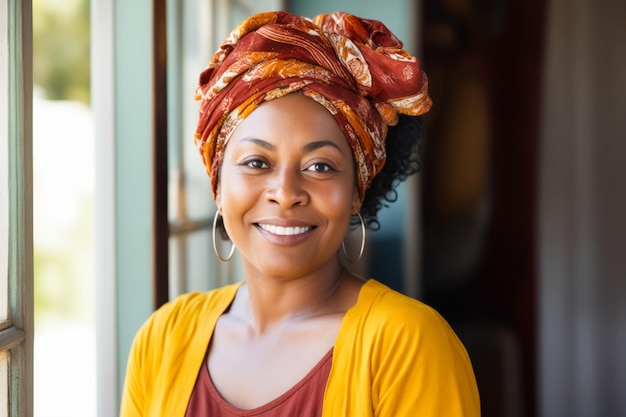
(393, 357)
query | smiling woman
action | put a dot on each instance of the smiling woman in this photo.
(304, 124)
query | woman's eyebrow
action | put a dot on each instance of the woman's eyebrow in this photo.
(260, 142)
(320, 144)
(308, 147)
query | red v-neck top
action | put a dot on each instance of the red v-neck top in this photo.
(305, 399)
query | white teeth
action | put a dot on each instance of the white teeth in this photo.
(283, 231)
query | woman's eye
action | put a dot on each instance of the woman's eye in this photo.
(319, 167)
(257, 163)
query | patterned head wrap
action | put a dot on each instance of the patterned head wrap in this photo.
(356, 68)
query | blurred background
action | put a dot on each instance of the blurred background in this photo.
(63, 217)
(514, 230)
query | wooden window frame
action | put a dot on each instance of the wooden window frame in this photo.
(16, 336)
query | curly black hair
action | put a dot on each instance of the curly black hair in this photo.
(402, 148)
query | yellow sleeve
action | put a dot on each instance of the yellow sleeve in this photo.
(396, 357)
(167, 353)
(419, 366)
(135, 394)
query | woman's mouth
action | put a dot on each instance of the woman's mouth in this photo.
(284, 230)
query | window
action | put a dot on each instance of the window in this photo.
(16, 275)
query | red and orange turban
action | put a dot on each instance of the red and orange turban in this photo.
(354, 67)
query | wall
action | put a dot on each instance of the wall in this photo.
(582, 316)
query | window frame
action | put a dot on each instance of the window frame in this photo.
(17, 337)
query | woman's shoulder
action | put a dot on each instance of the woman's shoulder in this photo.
(409, 356)
(381, 307)
(395, 324)
(381, 300)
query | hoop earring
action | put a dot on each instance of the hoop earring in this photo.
(232, 249)
(343, 245)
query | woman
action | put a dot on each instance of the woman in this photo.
(304, 124)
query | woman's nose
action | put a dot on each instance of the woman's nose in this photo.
(288, 188)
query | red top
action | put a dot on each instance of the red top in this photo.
(305, 399)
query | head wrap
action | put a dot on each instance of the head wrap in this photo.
(354, 67)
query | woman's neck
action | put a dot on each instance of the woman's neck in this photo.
(266, 303)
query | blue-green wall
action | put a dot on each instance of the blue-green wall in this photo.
(133, 142)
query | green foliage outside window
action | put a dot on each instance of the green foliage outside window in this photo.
(61, 49)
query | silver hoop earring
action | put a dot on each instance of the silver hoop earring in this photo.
(232, 249)
(343, 245)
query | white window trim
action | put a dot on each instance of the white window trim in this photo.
(102, 58)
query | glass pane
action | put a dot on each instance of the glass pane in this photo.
(190, 48)
(201, 262)
(191, 263)
(4, 162)
(188, 53)
(194, 266)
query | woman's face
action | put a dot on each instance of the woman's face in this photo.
(287, 187)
